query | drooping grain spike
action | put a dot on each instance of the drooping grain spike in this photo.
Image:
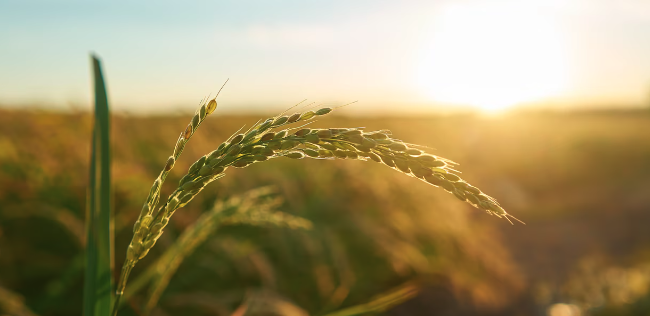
(254, 146)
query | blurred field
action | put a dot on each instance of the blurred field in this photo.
(580, 181)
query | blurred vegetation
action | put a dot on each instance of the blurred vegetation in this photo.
(579, 180)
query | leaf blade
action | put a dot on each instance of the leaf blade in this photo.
(99, 224)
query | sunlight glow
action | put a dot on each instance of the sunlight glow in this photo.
(493, 56)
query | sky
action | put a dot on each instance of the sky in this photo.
(389, 56)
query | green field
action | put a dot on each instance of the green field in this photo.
(580, 181)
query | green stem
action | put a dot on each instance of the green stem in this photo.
(121, 285)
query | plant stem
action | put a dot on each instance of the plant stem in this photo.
(121, 285)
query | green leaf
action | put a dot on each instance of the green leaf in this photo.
(98, 283)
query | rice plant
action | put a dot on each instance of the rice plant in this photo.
(287, 136)
(250, 208)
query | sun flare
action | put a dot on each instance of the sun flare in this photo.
(493, 57)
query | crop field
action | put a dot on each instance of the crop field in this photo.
(580, 181)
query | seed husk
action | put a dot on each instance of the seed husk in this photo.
(186, 199)
(212, 162)
(260, 157)
(205, 170)
(328, 146)
(208, 170)
(257, 149)
(156, 228)
(340, 154)
(295, 155)
(294, 117)
(147, 245)
(312, 138)
(352, 154)
(363, 148)
(347, 146)
(435, 164)
(323, 111)
(413, 152)
(250, 135)
(420, 171)
(170, 163)
(234, 150)
(179, 146)
(497, 209)
(353, 132)
(367, 142)
(289, 144)
(237, 139)
(188, 132)
(452, 177)
(483, 197)
(472, 199)
(267, 152)
(377, 136)
(374, 157)
(397, 146)
(280, 134)
(227, 160)
(402, 165)
(433, 180)
(472, 189)
(426, 158)
(275, 145)
(461, 185)
(265, 125)
(190, 185)
(324, 133)
(267, 136)
(217, 170)
(212, 105)
(186, 178)
(280, 120)
(357, 139)
(459, 195)
(325, 153)
(242, 163)
(430, 161)
(195, 121)
(447, 186)
(213, 155)
(202, 112)
(154, 189)
(245, 149)
(302, 132)
(387, 160)
(307, 115)
(197, 165)
(310, 152)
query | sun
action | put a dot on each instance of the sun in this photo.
(493, 56)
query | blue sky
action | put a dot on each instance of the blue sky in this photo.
(164, 56)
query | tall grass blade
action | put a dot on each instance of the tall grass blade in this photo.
(99, 225)
(382, 302)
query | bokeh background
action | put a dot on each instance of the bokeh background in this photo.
(545, 105)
